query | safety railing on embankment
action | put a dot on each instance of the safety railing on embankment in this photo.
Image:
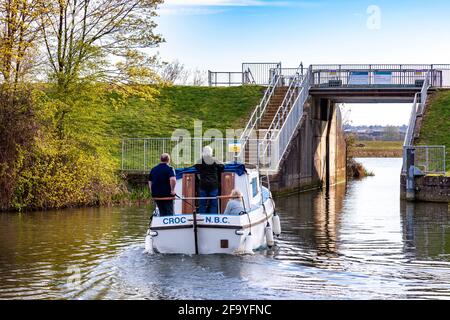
(428, 159)
(229, 79)
(251, 73)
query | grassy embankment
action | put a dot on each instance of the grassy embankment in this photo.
(378, 149)
(178, 107)
(435, 128)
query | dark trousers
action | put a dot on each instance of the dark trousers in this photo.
(213, 205)
(165, 207)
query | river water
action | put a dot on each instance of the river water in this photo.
(355, 242)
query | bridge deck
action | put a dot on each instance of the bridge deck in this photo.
(366, 94)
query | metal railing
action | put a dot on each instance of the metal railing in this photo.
(140, 155)
(261, 71)
(284, 125)
(251, 73)
(289, 74)
(418, 107)
(286, 104)
(229, 79)
(380, 75)
(258, 113)
(428, 159)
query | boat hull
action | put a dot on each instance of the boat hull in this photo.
(216, 234)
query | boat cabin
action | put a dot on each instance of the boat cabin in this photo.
(234, 176)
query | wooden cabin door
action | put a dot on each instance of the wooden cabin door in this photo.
(188, 192)
(227, 186)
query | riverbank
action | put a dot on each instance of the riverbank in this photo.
(377, 149)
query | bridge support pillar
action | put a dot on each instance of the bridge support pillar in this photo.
(316, 156)
(410, 187)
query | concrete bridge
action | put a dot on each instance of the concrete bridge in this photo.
(302, 136)
(295, 133)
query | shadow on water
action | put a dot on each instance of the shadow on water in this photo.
(355, 242)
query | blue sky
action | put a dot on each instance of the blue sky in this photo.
(221, 34)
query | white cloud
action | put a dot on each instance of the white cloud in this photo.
(188, 11)
(225, 3)
(206, 7)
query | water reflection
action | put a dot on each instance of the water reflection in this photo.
(40, 251)
(426, 230)
(312, 220)
(356, 241)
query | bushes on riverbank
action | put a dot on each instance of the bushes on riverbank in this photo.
(44, 165)
(355, 169)
(18, 129)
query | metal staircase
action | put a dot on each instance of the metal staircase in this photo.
(274, 121)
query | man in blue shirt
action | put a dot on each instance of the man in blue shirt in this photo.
(162, 181)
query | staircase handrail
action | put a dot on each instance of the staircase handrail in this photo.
(260, 109)
(284, 107)
(282, 137)
(417, 109)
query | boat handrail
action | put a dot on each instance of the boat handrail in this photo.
(195, 198)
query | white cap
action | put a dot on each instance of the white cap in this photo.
(207, 151)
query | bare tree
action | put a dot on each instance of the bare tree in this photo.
(346, 114)
(18, 35)
(82, 36)
(174, 72)
(199, 77)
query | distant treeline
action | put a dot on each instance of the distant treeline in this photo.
(377, 132)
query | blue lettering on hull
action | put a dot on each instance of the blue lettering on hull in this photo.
(174, 220)
(208, 219)
(216, 220)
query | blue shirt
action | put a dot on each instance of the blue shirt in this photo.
(160, 177)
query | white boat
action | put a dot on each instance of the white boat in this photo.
(191, 232)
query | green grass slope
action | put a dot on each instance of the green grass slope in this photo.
(178, 106)
(435, 129)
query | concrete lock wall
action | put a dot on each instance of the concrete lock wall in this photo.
(428, 188)
(317, 153)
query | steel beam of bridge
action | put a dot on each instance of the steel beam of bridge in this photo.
(366, 95)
